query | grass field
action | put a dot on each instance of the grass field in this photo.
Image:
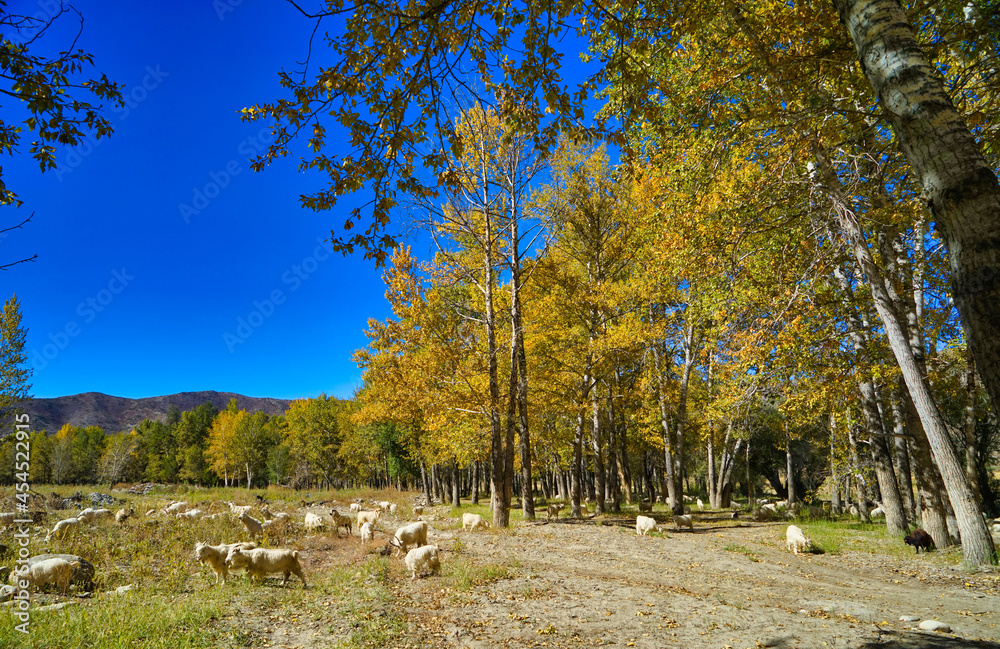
(353, 598)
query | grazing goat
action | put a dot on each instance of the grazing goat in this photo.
(63, 528)
(355, 507)
(796, 540)
(422, 559)
(684, 520)
(367, 533)
(313, 522)
(409, 536)
(51, 571)
(473, 522)
(174, 508)
(418, 510)
(215, 556)
(275, 516)
(260, 561)
(123, 514)
(645, 507)
(554, 509)
(86, 516)
(341, 521)
(644, 525)
(919, 539)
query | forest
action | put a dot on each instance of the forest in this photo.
(767, 262)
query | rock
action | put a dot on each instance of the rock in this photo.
(102, 499)
(55, 607)
(6, 593)
(909, 618)
(934, 625)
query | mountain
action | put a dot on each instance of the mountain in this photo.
(114, 414)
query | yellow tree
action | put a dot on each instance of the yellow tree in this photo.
(220, 442)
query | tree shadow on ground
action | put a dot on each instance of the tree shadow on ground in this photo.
(888, 639)
(922, 640)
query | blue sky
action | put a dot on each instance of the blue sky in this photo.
(134, 296)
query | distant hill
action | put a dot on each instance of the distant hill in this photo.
(114, 414)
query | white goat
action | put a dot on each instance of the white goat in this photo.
(174, 508)
(473, 522)
(191, 514)
(254, 528)
(260, 561)
(123, 514)
(684, 520)
(355, 507)
(796, 540)
(86, 516)
(313, 522)
(418, 510)
(51, 571)
(700, 504)
(103, 514)
(422, 559)
(367, 533)
(276, 516)
(238, 509)
(644, 525)
(368, 516)
(63, 529)
(412, 535)
(215, 556)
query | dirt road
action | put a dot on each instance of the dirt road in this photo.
(583, 584)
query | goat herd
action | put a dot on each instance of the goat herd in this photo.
(409, 540)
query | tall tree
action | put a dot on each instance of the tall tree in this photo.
(14, 373)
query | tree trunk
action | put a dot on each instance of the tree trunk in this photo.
(836, 506)
(475, 482)
(598, 446)
(930, 489)
(713, 493)
(789, 469)
(425, 479)
(971, 457)
(892, 504)
(624, 473)
(861, 484)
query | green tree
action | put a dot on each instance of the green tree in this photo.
(118, 459)
(313, 435)
(14, 374)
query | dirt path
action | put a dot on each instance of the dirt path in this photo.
(591, 585)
